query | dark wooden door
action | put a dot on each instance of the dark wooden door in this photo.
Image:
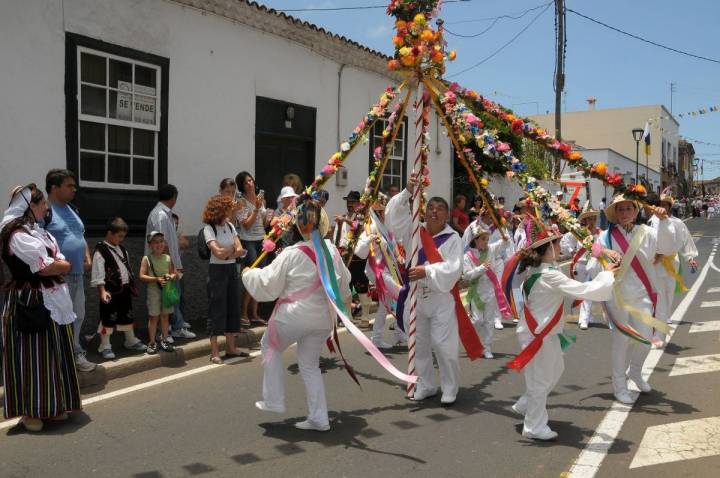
(275, 157)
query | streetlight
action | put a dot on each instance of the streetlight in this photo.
(637, 136)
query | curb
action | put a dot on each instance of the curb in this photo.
(123, 367)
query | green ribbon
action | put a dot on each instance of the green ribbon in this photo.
(472, 294)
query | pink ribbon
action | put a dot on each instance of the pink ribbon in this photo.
(383, 291)
(273, 339)
(499, 294)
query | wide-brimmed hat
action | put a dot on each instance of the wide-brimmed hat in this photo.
(477, 229)
(588, 211)
(540, 233)
(287, 192)
(610, 210)
(323, 225)
(352, 196)
(667, 198)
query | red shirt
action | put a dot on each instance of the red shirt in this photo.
(463, 219)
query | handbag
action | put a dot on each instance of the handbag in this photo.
(169, 293)
(31, 317)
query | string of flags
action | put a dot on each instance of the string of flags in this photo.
(697, 141)
(700, 112)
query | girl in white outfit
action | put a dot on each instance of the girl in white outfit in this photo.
(545, 290)
(362, 250)
(481, 294)
(301, 316)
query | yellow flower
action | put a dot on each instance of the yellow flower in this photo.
(484, 182)
(419, 19)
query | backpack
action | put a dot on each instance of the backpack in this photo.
(202, 247)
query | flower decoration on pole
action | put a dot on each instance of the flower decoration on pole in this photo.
(417, 44)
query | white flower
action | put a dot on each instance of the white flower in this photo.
(345, 147)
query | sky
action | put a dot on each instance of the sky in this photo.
(617, 70)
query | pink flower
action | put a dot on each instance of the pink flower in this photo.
(597, 250)
(328, 170)
(268, 245)
(503, 147)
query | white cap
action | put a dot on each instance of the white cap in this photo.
(287, 192)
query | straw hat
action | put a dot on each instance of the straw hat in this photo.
(610, 210)
(667, 198)
(587, 212)
(540, 233)
(306, 221)
(478, 229)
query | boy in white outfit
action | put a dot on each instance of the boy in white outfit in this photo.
(371, 237)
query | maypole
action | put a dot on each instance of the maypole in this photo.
(420, 171)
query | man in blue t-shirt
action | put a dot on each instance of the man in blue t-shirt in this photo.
(69, 231)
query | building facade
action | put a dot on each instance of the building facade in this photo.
(132, 95)
(612, 129)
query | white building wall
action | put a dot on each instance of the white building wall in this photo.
(217, 68)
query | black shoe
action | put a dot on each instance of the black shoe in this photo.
(166, 346)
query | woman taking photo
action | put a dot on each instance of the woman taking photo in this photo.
(37, 350)
(252, 218)
(222, 284)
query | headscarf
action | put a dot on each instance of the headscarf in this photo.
(19, 204)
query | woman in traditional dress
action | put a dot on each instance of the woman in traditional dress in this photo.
(38, 361)
(540, 329)
(301, 315)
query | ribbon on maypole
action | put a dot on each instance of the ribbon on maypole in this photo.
(420, 171)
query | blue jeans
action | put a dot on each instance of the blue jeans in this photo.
(178, 316)
(76, 284)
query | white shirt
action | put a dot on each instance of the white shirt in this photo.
(291, 272)
(160, 219)
(471, 271)
(97, 276)
(550, 290)
(225, 237)
(656, 241)
(442, 276)
(684, 245)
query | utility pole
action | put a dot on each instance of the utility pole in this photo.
(672, 90)
(559, 74)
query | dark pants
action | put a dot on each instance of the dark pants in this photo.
(120, 305)
(223, 299)
(358, 279)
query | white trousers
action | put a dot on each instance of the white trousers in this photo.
(586, 305)
(484, 321)
(541, 375)
(309, 346)
(666, 297)
(379, 326)
(436, 330)
(628, 355)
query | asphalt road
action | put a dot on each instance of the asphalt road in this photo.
(200, 419)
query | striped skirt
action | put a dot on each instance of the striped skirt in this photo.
(38, 369)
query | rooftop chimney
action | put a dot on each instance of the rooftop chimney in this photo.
(591, 103)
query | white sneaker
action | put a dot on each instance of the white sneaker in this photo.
(382, 345)
(83, 364)
(583, 325)
(499, 325)
(419, 396)
(518, 410)
(261, 405)
(106, 353)
(308, 425)
(488, 354)
(641, 383)
(447, 400)
(624, 397)
(185, 325)
(183, 334)
(169, 339)
(546, 435)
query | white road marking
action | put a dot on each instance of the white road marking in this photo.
(712, 326)
(678, 441)
(711, 303)
(696, 364)
(590, 459)
(713, 290)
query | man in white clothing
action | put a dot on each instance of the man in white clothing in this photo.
(635, 286)
(436, 321)
(668, 267)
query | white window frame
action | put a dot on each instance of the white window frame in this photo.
(402, 137)
(107, 121)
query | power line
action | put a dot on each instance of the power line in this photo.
(359, 7)
(495, 20)
(505, 45)
(512, 16)
(643, 39)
